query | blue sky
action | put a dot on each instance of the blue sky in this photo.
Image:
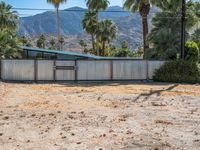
(41, 4)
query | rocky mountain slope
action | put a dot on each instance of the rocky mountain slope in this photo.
(129, 26)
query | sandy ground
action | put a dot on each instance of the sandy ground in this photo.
(104, 116)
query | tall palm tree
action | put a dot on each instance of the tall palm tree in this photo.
(106, 33)
(143, 6)
(89, 24)
(8, 18)
(56, 4)
(97, 5)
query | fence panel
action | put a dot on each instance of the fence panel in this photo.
(129, 70)
(45, 70)
(153, 66)
(17, 70)
(94, 70)
(65, 75)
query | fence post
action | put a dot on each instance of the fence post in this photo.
(0, 69)
(54, 70)
(35, 70)
(76, 71)
(111, 70)
(147, 69)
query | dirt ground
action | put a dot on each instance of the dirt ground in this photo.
(99, 116)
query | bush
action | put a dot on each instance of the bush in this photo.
(178, 71)
(191, 52)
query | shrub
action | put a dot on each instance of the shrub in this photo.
(191, 52)
(178, 71)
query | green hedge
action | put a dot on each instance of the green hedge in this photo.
(178, 71)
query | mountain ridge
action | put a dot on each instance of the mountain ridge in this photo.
(129, 26)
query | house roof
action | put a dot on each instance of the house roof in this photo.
(61, 52)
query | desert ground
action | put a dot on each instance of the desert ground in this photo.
(99, 116)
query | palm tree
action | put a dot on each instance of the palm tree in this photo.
(106, 33)
(41, 41)
(97, 5)
(61, 41)
(56, 4)
(52, 43)
(89, 24)
(143, 6)
(8, 18)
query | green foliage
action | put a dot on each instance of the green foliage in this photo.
(89, 24)
(97, 4)
(9, 45)
(61, 41)
(196, 36)
(8, 18)
(25, 41)
(83, 44)
(166, 33)
(124, 51)
(191, 52)
(52, 44)
(41, 41)
(178, 71)
(106, 33)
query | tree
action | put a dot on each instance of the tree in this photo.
(89, 24)
(9, 45)
(61, 41)
(191, 52)
(97, 5)
(52, 44)
(83, 44)
(106, 33)
(56, 4)
(41, 41)
(165, 35)
(8, 18)
(143, 6)
(196, 36)
(124, 51)
(25, 41)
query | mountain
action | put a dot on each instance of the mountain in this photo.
(129, 26)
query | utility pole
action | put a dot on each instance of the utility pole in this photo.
(183, 25)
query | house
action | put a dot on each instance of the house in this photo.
(38, 53)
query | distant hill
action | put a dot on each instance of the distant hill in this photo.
(129, 26)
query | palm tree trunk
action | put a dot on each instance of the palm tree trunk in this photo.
(58, 27)
(93, 45)
(145, 34)
(103, 48)
(97, 41)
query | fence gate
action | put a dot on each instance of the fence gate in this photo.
(64, 71)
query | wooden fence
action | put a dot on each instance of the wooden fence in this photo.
(77, 70)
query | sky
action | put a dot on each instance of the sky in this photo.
(42, 4)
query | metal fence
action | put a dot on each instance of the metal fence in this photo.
(78, 70)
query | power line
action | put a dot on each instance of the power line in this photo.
(85, 10)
